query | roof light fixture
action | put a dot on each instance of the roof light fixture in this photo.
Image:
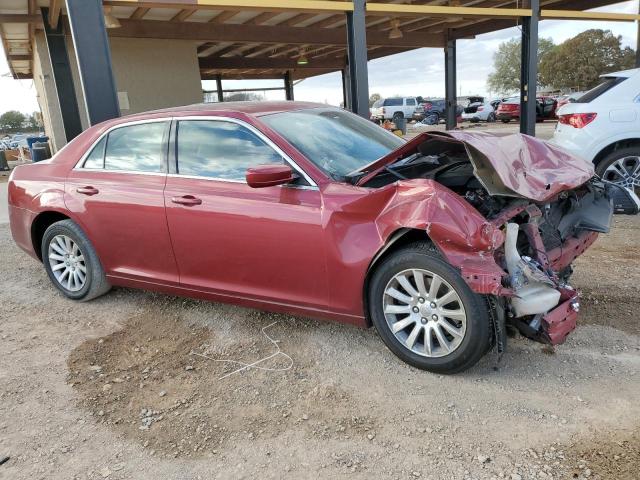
(395, 31)
(302, 57)
(109, 20)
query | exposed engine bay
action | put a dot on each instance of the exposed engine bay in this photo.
(540, 238)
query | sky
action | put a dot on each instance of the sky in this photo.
(419, 72)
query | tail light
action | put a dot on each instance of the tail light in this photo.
(577, 120)
(480, 109)
(384, 111)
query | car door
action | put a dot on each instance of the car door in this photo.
(116, 193)
(231, 239)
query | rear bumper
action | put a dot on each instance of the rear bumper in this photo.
(20, 221)
(507, 116)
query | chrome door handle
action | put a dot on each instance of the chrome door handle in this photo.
(87, 190)
(187, 200)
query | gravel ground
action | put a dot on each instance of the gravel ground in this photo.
(112, 389)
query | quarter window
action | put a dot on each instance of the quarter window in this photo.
(219, 149)
(95, 160)
(138, 148)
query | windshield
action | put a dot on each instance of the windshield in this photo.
(336, 141)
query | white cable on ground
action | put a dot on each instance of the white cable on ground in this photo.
(246, 366)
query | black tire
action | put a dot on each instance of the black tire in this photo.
(491, 118)
(397, 117)
(478, 335)
(613, 157)
(96, 283)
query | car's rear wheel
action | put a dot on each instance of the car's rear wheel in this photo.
(622, 167)
(491, 118)
(425, 312)
(72, 263)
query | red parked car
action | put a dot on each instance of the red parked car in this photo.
(308, 209)
(509, 109)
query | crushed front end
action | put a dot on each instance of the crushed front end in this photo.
(511, 213)
(541, 241)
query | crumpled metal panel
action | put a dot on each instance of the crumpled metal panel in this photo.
(513, 165)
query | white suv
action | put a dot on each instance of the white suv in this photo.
(394, 109)
(603, 127)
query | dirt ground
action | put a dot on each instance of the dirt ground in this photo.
(114, 389)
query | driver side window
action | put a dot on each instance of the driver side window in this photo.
(221, 150)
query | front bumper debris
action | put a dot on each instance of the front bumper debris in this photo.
(561, 321)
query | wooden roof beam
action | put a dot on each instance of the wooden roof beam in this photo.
(139, 13)
(222, 17)
(55, 8)
(183, 14)
(308, 6)
(19, 18)
(265, 34)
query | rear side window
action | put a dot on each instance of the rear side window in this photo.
(393, 102)
(606, 85)
(219, 149)
(411, 102)
(136, 148)
(95, 160)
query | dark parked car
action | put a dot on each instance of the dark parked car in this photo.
(311, 210)
(509, 109)
(432, 112)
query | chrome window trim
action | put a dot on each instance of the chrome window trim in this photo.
(79, 163)
(312, 185)
(256, 132)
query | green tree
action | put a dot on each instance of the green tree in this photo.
(374, 98)
(578, 62)
(506, 65)
(11, 121)
(33, 121)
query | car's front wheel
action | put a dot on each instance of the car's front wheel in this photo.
(622, 167)
(425, 312)
(72, 263)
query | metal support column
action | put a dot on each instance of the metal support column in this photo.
(451, 96)
(91, 44)
(358, 78)
(529, 70)
(345, 88)
(219, 88)
(288, 86)
(62, 78)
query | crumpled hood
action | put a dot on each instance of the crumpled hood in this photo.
(513, 165)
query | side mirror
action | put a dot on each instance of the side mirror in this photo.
(269, 175)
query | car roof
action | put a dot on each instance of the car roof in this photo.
(622, 73)
(255, 108)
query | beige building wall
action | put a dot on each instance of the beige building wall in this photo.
(150, 74)
(155, 74)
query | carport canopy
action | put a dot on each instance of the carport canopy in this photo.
(285, 39)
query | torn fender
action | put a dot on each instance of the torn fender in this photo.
(464, 237)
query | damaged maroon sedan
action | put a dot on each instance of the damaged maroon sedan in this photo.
(302, 208)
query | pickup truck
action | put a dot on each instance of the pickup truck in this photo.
(393, 109)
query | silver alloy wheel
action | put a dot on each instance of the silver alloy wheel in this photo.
(67, 263)
(425, 313)
(625, 172)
